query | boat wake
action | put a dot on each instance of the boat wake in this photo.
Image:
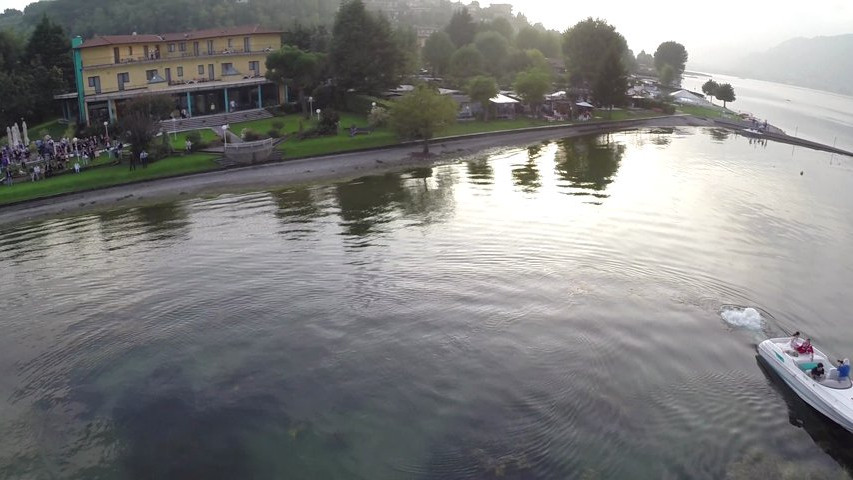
(747, 318)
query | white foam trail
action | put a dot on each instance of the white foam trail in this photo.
(748, 318)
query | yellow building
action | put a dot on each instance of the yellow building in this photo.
(207, 72)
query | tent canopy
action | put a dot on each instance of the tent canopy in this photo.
(501, 99)
(584, 104)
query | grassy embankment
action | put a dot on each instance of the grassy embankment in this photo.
(104, 177)
(291, 148)
(708, 112)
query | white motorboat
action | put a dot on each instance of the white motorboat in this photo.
(829, 395)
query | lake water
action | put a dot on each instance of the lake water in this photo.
(811, 114)
(569, 310)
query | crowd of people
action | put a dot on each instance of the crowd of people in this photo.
(50, 157)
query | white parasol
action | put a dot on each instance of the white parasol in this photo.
(26, 137)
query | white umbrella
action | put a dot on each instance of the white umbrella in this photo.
(26, 137)
(16, 135)
(9, 136)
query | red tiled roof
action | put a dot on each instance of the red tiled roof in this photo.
(103, 40)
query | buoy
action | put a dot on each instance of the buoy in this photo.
(801, 173)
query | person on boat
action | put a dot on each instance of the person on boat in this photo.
(843, 369)
(818, 372)
(806, 347)
(796, 340)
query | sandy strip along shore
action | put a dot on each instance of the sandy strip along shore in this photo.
(317, 169)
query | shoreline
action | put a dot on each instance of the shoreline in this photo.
(339, 166)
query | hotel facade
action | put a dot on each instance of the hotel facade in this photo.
(206, 72)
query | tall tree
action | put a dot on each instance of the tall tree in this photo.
(532, 85)
(422, 114)
(49, 46)
(611, 80)
(528, 37)
(584, 43)
(482, 89)
(726, 93)
(437, 52)
(140, 119)
(363, 54)
(466, 63)
(673, 54)
(667, 75)
(710, 88)
(406, 40)
(494, 48)
(461, 28)
(297, 69)
(645, 60)
(314, 38)
(10, 50)
(502, 26)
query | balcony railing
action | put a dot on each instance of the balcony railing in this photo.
(154, 57)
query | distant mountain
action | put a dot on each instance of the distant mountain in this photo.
(823, 63)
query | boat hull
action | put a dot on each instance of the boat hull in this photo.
(807, 389)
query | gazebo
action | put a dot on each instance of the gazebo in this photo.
(505, 106)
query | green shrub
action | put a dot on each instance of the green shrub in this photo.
(198, 143)
(277, 124)
(378, 117)
(249, 135)
(273, 133)
(329, 120)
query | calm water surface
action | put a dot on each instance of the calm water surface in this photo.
(544, 312)
(816, 115)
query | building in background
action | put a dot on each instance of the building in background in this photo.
(206, 72)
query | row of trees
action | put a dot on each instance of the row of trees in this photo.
(723, 92)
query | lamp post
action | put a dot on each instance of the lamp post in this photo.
(107, 130)
(174, 128)
(372, 107)
(318, 114)
(310, 104)
(224, 137)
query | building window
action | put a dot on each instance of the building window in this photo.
(210, 47)
(230, 43)
(122, 78)
(255, 67)
(195, 49)
(149, 74)
(182, 46)
(247, 47)
(228, 69)
(180, 71)
(201, 69)
(95, 82)
(130, 51)
(171, 47)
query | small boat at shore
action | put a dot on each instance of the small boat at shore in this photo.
(828, 394)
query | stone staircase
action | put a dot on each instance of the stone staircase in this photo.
(214, 121)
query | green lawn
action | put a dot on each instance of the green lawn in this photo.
(708, 112)
(104, 177)
(342, 142)
(179, 140)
